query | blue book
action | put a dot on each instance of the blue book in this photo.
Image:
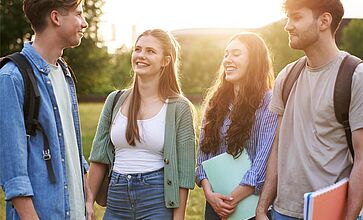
(224, 174)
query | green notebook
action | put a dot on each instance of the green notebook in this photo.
(224, 174)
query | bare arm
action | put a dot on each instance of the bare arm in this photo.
(268, 193)
(179, 213)
(25, 208)
(355, 190)
(94, 180)
(240, 193)
(90, 215)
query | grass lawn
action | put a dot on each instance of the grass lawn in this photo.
(89, 117)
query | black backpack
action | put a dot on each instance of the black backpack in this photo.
(31, 104)
(342, 90)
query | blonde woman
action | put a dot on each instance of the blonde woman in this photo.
(152, 136)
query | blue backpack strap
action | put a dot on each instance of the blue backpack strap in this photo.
(31, 105)
(342, 95)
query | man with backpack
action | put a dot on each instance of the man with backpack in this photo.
(41, 164)
(311, 148)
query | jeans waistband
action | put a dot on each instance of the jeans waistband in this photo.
(137, 175)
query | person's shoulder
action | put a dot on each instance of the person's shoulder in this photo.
(287, 69)
(268, 96)
(179, 100)
(182, 105)
(10, 70)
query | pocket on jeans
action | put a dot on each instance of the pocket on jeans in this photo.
(154, 180)
(113, 181)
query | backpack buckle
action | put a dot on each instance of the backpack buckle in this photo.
(46, 155)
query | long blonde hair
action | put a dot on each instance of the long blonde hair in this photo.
(168, 85)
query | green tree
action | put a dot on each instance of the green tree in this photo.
(277, 40)
(200, 62)
(91, 66)
(352, 38)
(121, 73)
(14, 28)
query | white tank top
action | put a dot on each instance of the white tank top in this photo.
(147, 155)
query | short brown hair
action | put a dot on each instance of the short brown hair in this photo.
(37, 10)
(334, 7)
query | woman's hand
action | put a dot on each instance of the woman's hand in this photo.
(220, 204)
(90, 211)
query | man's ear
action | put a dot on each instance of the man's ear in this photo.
(325, 21)
(167, 60)
(55, 17)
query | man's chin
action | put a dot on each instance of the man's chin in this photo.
(295, 46)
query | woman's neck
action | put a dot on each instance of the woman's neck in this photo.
(148, 89)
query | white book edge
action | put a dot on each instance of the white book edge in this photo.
(309, 196)
(330, 187)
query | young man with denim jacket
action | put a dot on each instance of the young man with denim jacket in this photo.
(29, 192)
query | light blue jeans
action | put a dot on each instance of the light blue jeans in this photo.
(278, 216)
(137, 196)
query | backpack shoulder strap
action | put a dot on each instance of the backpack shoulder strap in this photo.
(31, 105)
(292, 77)
(31, 95)
(64, 64)
(342, 94)
(116, 98)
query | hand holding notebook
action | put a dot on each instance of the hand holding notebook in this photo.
(224, 174)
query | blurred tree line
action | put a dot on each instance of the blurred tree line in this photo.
(99, 72)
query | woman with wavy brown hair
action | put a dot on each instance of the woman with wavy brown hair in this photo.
(237, 118)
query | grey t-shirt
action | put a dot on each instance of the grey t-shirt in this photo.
(312, 150)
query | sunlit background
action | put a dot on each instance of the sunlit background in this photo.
(123, 20)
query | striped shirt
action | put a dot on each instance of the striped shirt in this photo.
(258, 146)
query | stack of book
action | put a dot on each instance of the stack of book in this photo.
(327, 203)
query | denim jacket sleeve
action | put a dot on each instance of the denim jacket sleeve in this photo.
(14, 177)
(101, 145)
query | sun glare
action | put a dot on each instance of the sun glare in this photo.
(123, 20)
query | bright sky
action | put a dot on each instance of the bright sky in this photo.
(122, 16)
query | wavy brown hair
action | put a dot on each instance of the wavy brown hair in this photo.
(255, 83)
(168, 84)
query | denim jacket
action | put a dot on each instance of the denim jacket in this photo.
(23, 171)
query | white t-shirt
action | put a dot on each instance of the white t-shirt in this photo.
(74, 186)
(147, 155)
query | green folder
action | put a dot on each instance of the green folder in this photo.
(224, 174)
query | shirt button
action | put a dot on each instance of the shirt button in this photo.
(67, 213)
(128, 176)
(49, 82)
(65, 186)
(59, 134)
(171, 203)
(166, 161)
(55, 108)
(168, 182)
(62, 160)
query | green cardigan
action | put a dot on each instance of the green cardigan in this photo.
(179, 145)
